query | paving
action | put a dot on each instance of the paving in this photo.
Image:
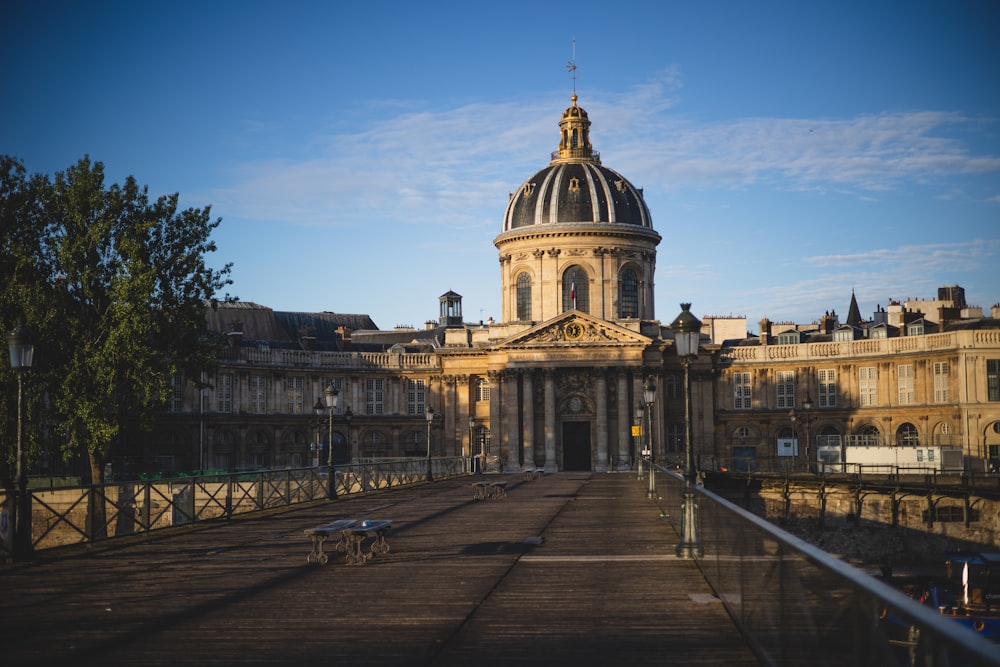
(573, 568)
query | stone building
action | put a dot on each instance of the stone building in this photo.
(556, 382)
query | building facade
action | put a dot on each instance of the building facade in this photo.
(557, 383)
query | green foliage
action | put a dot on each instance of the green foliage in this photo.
(115, 287)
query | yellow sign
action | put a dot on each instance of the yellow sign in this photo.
(636, 430)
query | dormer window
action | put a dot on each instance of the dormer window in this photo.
(789, 338)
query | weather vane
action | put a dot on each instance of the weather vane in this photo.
(571, 66)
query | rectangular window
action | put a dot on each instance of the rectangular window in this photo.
(741, 391)
(940, 381)
(483, 390)
(827, 378)
(258, 394)
(867, 394)
(904, 375)
(415, 397)
(294, 391)
(785, 383)
(993, 379)
(224, 392)
(176, 401)
(374, 395)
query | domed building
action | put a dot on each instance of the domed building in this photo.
(577, 236)
(558, 383)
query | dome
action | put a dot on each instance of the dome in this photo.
(576, 188)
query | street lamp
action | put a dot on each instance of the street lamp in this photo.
(807, 405)
(687, 336)
(648, 396)
(331, 396)
(20, 343)
(317, 446)
(639, 453)
(477, 458)
(430, 419)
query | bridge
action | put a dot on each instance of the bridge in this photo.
(573, 568)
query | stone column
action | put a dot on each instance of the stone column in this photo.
(601, 398)
(511, 437)
(624, 423)
(528, 403)
(551, 464)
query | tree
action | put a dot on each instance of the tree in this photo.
(116, 286)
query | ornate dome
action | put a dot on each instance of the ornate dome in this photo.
(576, 188)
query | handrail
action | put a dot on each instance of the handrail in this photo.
(797, 604)
(86, 514)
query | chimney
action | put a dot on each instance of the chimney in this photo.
(765, 330)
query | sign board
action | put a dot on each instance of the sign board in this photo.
(636, 430)
(788, 447)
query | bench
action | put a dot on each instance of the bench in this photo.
(534, 473)
(352, 536)
(355, 536)
(490, 490)
(319, 535)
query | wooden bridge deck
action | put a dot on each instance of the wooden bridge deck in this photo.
(466, 582)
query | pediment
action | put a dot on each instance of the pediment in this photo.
(575, 328)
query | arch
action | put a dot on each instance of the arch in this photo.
(522, 287)
(868, 435)
(628, 293)
(991, 440)
(575, 289)
(906, 435)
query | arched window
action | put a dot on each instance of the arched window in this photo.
(628, 294)
(523, 297)
(868, 436)
(576, 290)
(906, 435)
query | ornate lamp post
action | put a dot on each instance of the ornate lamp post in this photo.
(20, 343)
(472, 432)
(639, 453)
(316, 448)
(687, 336)
(331, 396)
(430, 420)
(648, 396)
(348, 416)
(807, 405)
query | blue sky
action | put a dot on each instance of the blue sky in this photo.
(360, 155)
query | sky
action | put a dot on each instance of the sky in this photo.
(360, 155)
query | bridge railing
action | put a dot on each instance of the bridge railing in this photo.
(86, 514)
(798, 605)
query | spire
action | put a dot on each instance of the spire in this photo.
(854, 313)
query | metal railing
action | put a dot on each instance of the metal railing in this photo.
(86, 514)
(798, 605)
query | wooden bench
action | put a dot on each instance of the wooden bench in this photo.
(490, 490)
(481, 490)
(355, 536)
(352, 537)
(534, 473)
(319, 535)
(498, 490)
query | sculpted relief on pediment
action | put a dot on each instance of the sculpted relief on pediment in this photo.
(580, 331)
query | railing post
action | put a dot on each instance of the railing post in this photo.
(146, 501)
(229, 496)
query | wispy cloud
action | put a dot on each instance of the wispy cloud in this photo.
(454, 165)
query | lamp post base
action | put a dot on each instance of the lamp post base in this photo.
(690, 545)
(331, 483)
(430, 474)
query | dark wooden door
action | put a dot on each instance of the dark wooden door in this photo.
(576, 445)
